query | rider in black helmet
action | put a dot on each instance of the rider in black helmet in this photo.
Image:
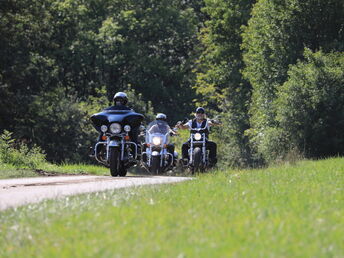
(200, 121)
(120, 101)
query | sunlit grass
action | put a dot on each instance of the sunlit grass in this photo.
(76, 169)
(288, 211)
(10, 171)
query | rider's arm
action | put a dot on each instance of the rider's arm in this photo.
(172, 132)
(185, 126)
(213, 123)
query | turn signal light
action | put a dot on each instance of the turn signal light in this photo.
(104, 138)
(127, 138)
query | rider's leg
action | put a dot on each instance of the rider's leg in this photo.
(170, 149)
(134, 133)
(185, 148)
(212, 147)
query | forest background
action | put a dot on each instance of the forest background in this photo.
(271, 70)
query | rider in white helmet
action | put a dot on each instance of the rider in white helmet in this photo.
(161, 121)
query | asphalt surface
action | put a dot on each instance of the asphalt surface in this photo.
(22, 191)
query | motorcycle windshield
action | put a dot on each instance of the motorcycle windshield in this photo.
(124, 117)
(158, 129)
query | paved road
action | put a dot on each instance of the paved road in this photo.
(17, 192)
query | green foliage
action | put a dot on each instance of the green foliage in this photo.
(310, 105)
(63, 60)
(275, 38)
(19, 154)
(219, 81)
(60, 126)
(149, 47)
(56, 57)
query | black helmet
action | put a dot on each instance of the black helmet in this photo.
(161, 116)
(200, 110)
(121, 96)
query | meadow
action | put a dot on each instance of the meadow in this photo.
(284, 211)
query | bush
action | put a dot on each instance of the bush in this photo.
(310, 105)
(19, 154)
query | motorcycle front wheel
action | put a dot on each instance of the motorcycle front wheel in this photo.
(197, 159)
(155, 165)
(116, 165)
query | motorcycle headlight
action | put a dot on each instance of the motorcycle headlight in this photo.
(198, 136)
(127, 128)
(115, 128)
(103, 128)
(156, 140)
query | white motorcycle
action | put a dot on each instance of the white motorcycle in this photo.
(158, 155)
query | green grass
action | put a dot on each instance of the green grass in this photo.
(288, 211)
(10, 171)
(76, 169)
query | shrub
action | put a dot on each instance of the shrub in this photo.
(310, 105)
(19, 154)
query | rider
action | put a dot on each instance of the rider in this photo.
(161, 121)
(120, 100)
(200, 121)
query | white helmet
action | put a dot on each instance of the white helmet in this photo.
(161, 116)
(121, 96)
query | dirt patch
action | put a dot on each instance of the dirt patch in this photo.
(52, 173)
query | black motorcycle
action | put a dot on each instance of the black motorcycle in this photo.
(117, 146)
(198, 154)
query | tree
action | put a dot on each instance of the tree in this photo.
(310, 105)
(57, 56)
(219, 80)
(275, 38)
(149, 45)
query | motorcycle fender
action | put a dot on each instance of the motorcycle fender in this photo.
(114, 144)
(155, 153)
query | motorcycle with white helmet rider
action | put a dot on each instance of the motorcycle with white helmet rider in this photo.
(158, 154)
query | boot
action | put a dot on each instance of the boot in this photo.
(212, 162)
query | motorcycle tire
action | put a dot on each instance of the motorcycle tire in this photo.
(122, 171)
(114, 160)
(155, 165)
(197, 159)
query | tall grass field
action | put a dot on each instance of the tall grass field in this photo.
(288, 211)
